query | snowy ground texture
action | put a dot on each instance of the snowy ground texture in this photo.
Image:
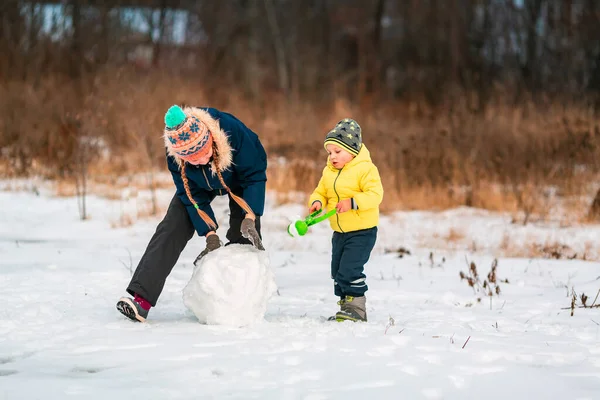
(61, 336)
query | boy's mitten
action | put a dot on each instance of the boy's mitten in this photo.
(212, 243)
(249, 231)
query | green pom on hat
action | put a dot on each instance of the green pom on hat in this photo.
(174, 117)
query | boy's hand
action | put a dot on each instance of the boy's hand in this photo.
(343, 206)
(316, 206)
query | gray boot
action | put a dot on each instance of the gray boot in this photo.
(340, 303)
(352, 309)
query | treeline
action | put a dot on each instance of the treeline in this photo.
(453, 95)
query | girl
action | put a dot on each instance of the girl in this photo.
(209, 153)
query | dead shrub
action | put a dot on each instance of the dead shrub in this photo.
(581, 301)
(489, 286)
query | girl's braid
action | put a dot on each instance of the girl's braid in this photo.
(241, 202)
(205, 217)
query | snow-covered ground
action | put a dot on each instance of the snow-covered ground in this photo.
(427, 337)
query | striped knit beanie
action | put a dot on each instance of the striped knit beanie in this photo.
(347, 135)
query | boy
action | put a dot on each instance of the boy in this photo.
(351, 184)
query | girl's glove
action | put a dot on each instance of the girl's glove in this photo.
(248, 230)
(212, 243)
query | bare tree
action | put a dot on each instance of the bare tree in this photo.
(594, 212)
(282, 67)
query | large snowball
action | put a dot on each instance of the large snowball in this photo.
(231, 286)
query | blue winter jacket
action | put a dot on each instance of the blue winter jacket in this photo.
(242, 161)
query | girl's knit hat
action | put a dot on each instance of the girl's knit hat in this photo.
(346, 134)
(186, 136)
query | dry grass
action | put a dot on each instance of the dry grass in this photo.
(128, 218)
(550, 249)
(506, 245)
(293, 175)
(502, 159)
(582, 301)
(65, 188)
(512, 245)
(146, 211)
(454, 236)
(486, 286)
(124, 221)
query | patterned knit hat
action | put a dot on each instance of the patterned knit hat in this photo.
(346, 134)
(186, 136)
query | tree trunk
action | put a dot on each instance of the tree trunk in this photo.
(534, 11)
(376, 65)
(161, 31)
(76, 40)
(105, 35)
(594, 213)
(282, 68)
(251, 71)
(456, 45)
(12, 28)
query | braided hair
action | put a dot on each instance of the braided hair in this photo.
(215, 165)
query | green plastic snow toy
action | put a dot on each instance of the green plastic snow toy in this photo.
(300, 226)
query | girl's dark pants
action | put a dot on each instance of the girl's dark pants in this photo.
(171, 236)
(350, 253)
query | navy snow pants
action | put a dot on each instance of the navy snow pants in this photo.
(350, 253)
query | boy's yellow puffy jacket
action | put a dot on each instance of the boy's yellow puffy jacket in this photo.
(358, 180)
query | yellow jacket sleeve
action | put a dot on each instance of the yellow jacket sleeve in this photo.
(320, 193)
(372, 190)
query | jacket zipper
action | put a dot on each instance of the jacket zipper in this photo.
(204, 173)
(337, 216)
